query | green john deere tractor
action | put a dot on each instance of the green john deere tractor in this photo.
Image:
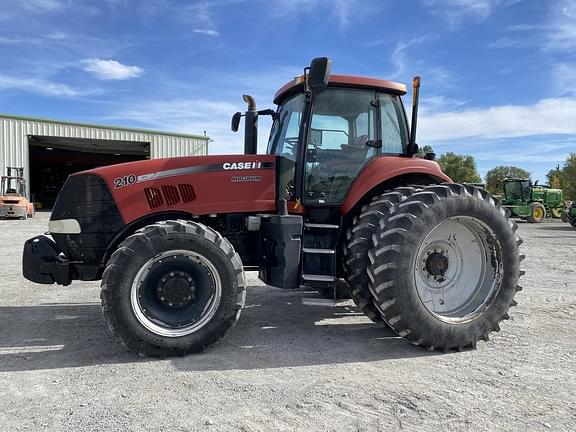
(532, 202)
(570, 215)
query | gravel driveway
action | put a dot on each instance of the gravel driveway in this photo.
(285, 366)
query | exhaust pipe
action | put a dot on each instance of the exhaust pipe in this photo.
(412, 146)
(250, 126)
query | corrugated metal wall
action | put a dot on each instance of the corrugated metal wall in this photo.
(14, 139)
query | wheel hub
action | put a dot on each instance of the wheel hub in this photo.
(176, 289)
(457, 268)
(437, 264)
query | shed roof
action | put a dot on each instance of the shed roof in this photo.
(100, 126)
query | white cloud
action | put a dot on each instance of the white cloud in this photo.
(561, 34)
(546, 117)
(398, 57)
(44, 5)
(344, 11)
(191, 115)
(110, 69)
(41, 86)
(18, 41)
(207, 32)
(457, 11)
(564, 74)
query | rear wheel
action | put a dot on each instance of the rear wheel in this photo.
(359, 237)
(445, 269)
(538, 213)
(172, 288)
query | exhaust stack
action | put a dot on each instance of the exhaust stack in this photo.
(412, 146)
(250, 126)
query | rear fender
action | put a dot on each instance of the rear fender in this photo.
(388, 172)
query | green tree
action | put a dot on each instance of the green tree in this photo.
(423, 150)
(568, 177)
(555, 178)
(495, 176)
(460, 168)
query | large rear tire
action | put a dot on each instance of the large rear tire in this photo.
(444, 269)
(173, 288)
(359, 242)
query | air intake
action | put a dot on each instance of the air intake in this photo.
(187, 192)
(154, 197)
(171, 194)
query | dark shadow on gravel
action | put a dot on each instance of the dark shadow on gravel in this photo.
(275, 330)
(568, 227)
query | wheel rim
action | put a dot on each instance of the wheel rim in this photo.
(458, 269)
(538, 213)
(176, 293)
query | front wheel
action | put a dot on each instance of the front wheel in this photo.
(444, 269)
(556, 212)
(172, 288)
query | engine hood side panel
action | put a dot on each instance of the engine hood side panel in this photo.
(195, 185)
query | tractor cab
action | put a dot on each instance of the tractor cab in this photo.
(517, 190)
(327, 129)
(348, 128)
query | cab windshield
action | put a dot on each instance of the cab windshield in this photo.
(517, 189)
(284, 133)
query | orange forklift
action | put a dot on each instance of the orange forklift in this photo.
(14, 203)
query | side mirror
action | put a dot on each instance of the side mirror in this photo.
(412, 149)
(235, 121)
(319, 72)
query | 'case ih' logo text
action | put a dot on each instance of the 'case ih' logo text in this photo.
(241, 165)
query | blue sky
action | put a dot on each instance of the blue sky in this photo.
(498, 75)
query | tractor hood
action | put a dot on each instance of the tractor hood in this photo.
(194, 185)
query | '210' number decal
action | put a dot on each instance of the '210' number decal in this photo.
(124, 181)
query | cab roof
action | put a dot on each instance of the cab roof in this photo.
(297, 83)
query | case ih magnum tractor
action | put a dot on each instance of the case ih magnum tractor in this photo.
(337, 200)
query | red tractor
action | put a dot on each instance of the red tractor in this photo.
(338, 201)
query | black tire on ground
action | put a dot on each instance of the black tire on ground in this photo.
(538, 213)
(342, 291)
(359, 242)
(172, 288)
(556, 212)
(422, 239)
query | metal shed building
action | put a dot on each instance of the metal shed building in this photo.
(50, 150)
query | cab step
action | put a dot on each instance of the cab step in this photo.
(318, 278)
(319, 251)
(313, 301)
(320, 225)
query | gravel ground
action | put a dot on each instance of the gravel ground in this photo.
(285, 366)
